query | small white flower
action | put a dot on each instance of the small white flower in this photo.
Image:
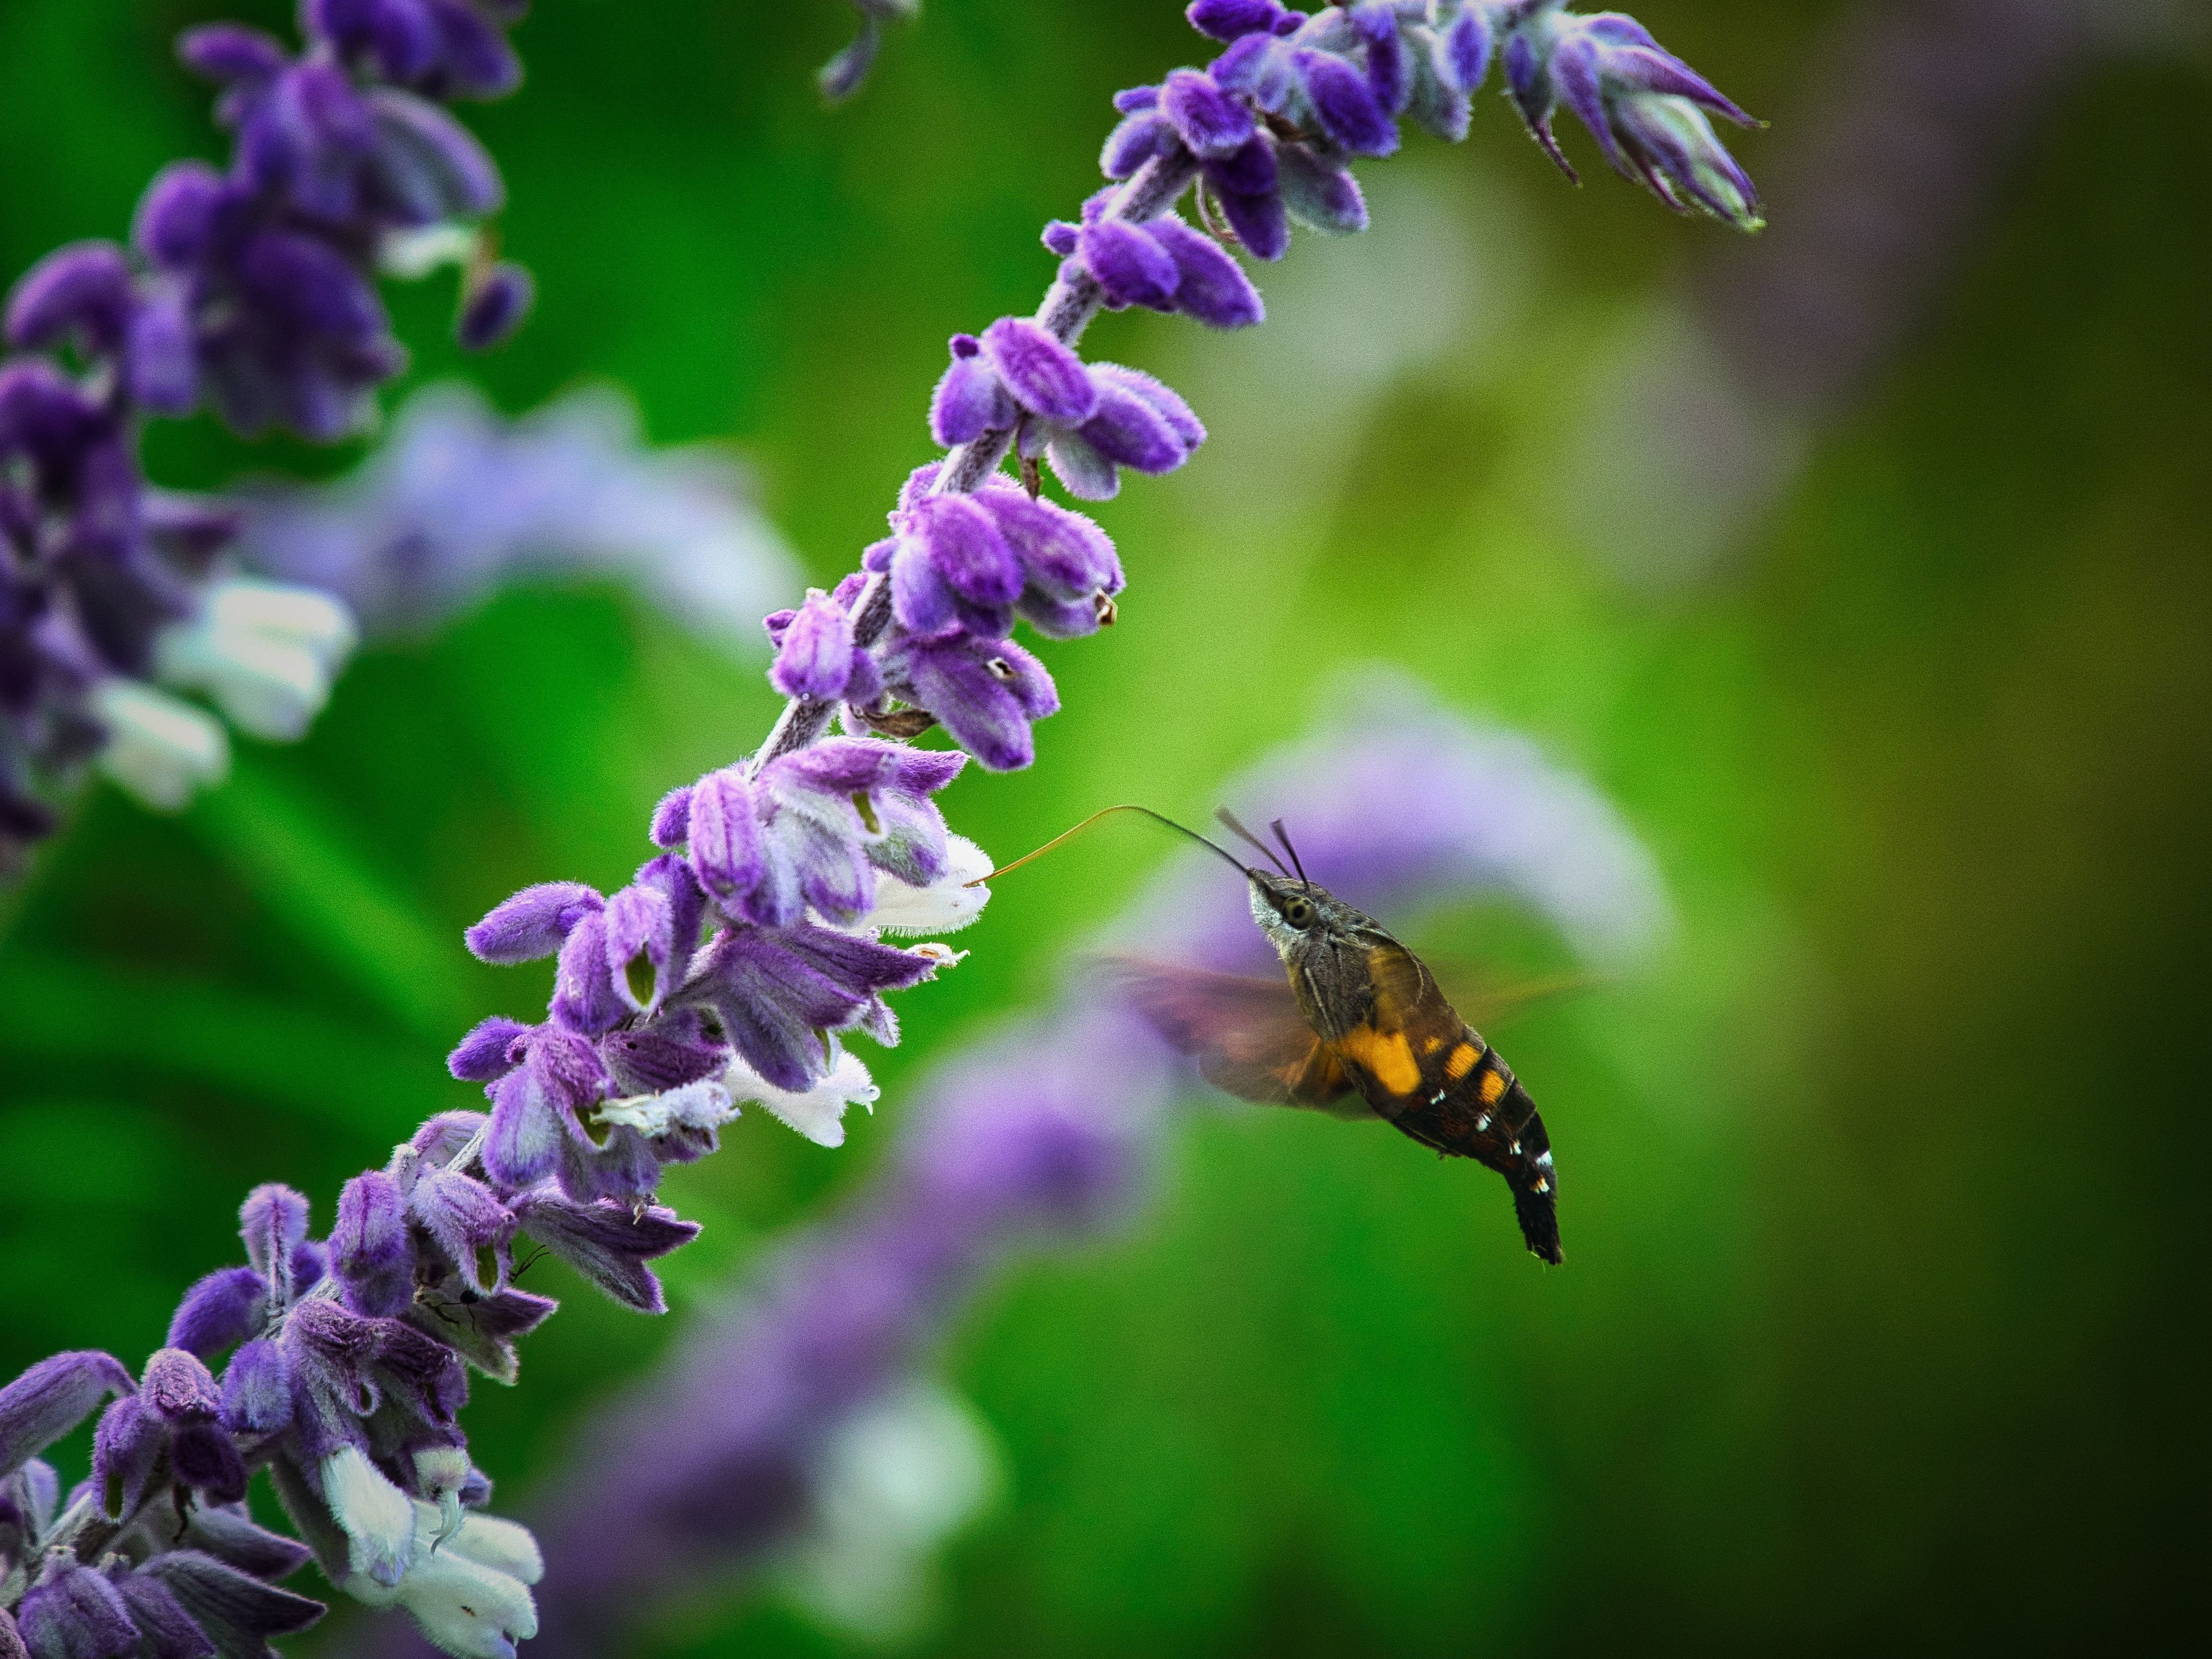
(469, 1592)
(160, 750)
(819, 1113)
(264, 651)
(946, 906)
(378, 1517)
(702, 1105)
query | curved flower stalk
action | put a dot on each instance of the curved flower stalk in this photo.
(1266, 134)
(456, 501)
(737, 1450)
(251, 292)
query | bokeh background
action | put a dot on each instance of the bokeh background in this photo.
(1884, 1316)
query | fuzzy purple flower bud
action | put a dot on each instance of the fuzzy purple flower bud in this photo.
(125, 1446)
(74, 1613)
(671, 817)
(220, 1311)
(1345, 104)
(494, 308)
(83, 289)
(1043, 376)
(532, 924)
(1463, 55)
(273, 1222)
(482, 1057)
(1133, 268)
(257, 1389)
(1210, 285)
(726, 851)
(1388, 75)
(816, 657)
(987, 693)
(1210, 121)
(584, 995)
(369, 1248)
(465, 1219)
(1229, 19)
(1136, 140)
(969, 400)
(608, 1243)
(1320, 197)
(50, 1399)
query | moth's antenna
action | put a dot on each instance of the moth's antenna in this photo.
(1283, 835)
(1108, 811)
(1229, 818)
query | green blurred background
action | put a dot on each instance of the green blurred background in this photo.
(1884, 1320)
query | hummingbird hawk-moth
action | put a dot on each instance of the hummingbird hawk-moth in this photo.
(1357, 1027)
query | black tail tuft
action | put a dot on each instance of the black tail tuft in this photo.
(1539, 1219)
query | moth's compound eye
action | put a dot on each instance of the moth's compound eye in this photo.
(1298, 912)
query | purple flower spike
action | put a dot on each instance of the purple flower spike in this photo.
(1345, 105)
(969, 400)
(816, 657)
(494, 308)
(532, 924)
(1209, 284)
(1133, 268)
(1208, 120)
(1043, 376)
(50, 1399)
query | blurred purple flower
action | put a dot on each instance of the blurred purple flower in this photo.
(457, 502)
(251, 291)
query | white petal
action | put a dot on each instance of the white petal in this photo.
(946, 905)
(411, 255)
(470, 1610)
(702, 1105)
(161, 751)
(818, 1113)
(378, 1517)
(264, 651)
(469, 1592)
(503, 1545)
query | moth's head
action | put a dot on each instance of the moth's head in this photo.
(1289, 911)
